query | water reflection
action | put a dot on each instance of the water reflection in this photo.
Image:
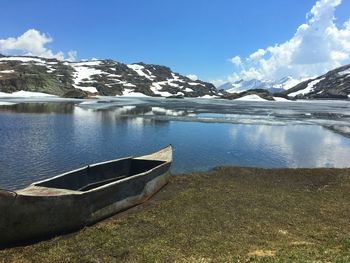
(300, 146)
(48, 139)
(39, 108)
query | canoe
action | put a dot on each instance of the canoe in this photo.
(78, 198)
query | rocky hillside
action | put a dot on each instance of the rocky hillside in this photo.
(98, 77)
(333, 85)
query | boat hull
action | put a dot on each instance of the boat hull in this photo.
(31, 217)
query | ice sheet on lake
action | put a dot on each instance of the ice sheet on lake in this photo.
(24, 94)
(6, 103)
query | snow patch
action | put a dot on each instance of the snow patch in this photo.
(252, 97)
(132, 93)
(173, 84)
(87, 63)
(208, 97)
(280, 99)
(7, 71)
(25, 94)
(195, 84)
(113, 76)
(188, 90)
(83, 73)
(6, 103)
(156, 88)
(345, 72)
(88, 89)
(129, 85)
(139, 70)
(308, 89)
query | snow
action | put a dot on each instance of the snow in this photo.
(88, 89)
(7, 71)
(6, 103)
(345, 72)
(176, 78)
(25, 94)
(290, 83)
(243, 85)
(83, 74)
(252, 97)
(308, 89)
(280, 99)
(208, 97)
(139, 70)
(172, 84)
(129, 85)
(131, 93)
(88, 102)
(188, 90)
(156, 88)
(87, 63)
(195, 84)
(113, 76)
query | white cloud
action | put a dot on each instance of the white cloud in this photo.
(192, 76)
(32, 43)
(72, 55)
(218, 82)
(257, 54)
(236, 60)
(317, 46)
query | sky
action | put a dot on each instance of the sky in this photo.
(216, 41)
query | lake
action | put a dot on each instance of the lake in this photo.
(40, 139)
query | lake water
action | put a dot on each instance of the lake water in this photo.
(42, 139)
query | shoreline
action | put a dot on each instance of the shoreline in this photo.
(228, 213)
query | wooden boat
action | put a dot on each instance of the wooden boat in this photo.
(81, 197)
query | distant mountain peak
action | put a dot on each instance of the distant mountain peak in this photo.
(273, 86)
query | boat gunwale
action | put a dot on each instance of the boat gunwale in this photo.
(77, 170)
(75, 192)
(125, 179)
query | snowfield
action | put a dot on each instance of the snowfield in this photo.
(308, 89)
(25, 94)
(252, 97)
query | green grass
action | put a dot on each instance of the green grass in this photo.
(226, 215)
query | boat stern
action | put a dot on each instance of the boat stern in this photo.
(7, 198)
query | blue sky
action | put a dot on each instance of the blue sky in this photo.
(192, 37)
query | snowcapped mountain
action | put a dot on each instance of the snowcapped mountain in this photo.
(270, 85)
(335, 84)
(97, 77)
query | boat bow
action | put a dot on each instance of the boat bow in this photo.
(164, 155)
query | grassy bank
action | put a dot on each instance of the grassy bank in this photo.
(226, 215)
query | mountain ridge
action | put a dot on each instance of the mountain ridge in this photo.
(107, 77)
(96, 77)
